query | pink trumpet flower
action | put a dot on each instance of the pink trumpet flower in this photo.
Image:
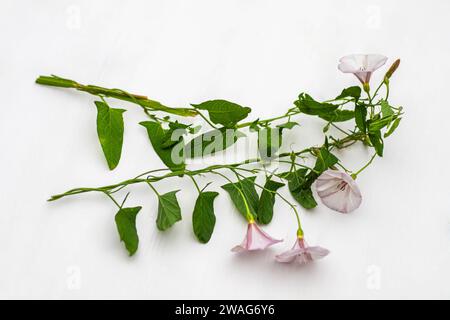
(361, 65)
(302, 253)
(338, 191)
(256, 239)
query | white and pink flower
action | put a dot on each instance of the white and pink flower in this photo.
(361, 65)
(256, 239)
(302, 253)
(338, 191)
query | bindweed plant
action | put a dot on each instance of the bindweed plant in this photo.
(176, 142)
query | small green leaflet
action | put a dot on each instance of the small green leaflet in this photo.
(350, 92)
(126, 225)
(377, 125)
(212, 142)
(377, 142)
(224, 112)
(267, 201)
(288, 125)
(203, 218)
(173, 156)
(169, 211)
(392, 127)
(170, 134)
(296, 179)
(338, 116)
(308, 105)
(247, 186)
(360, 117)
(386, 109)
(110, 132)
(254, 126)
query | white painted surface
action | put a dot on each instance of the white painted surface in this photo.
(257, 53)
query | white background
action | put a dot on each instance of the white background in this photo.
(257, 53)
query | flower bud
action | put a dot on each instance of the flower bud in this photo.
(392, 69)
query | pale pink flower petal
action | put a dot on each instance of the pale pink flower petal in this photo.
(361, 65)
(256, 239)
(302, 253)
(338, 191)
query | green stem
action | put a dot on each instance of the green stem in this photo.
(124, 200)
(112, 199)
(205, 118)
(342, 167)
(341, 130)
(297, 164)
(287, 115)
(378, 89)
(195, 184)
(119, 186)
(153, 188)
(280, 196)
(364, 167)
(372, 108)
(143, 101)
(141, 175)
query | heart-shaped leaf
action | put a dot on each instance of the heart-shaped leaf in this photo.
(267, 201)
(169, 211)
(360, 117)
(299, 183)
(350, 92)
(308, 105)
(224, 112)
(126, 225)
(247, 187)
(203, 218)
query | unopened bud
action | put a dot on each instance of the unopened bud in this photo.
(392, 69)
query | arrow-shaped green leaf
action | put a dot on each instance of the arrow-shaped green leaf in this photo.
(110, 132)
(126, 225)
(203, 218)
